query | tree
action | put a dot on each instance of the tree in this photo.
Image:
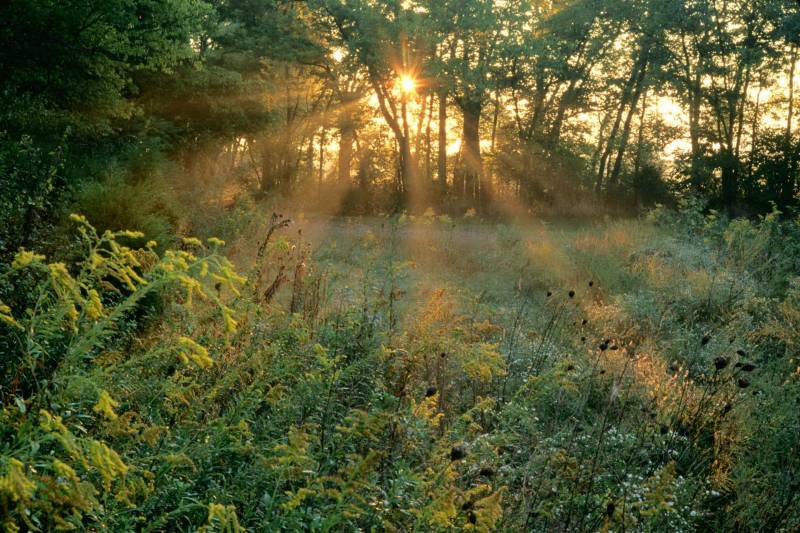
(475, 35)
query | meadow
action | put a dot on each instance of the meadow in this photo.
(408, 373)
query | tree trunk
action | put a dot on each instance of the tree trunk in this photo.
(695, 101)
(321, 158)
(623, 103)
(640, 140)
(407, 174)
(471, 149)
(537, 118)
(730, 178)
(347, 135)
(428, 175)
(442, 154)
(626, 130)
(787, 190)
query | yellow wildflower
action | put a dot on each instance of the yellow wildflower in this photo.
(7, 317)
(25, 258)
(130, 234)
(191, 351)
(105, 406)
(15, 483)
(93, 306)
(107, 462)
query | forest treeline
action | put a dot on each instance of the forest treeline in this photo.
(414, 103)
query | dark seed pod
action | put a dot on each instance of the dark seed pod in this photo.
(748, 367)
(615, 347)
(663, 429)
(457, 453)
(602, 372)
(572, 294)
(430, 391)
(726, 408)
(467, 505)
(549, 294)
(604, 346)
(741, 353)
(721, 362)
(583, 339)
(705, 340)
(486, 471)
(743, 383)
(584, 322)
(591, 283)
(610, 508)
(442, 355)
(472, 518)
(570, 368)
(738, 365)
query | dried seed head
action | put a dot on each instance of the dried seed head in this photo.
(486, 471)
(457, 453)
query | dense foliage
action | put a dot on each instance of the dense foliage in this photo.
(601, 379)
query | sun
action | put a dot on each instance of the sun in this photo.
(407, 84)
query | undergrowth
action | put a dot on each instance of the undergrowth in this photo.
(410, 374)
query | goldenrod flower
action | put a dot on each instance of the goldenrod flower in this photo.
(25, 258)
(105, 406)
(191, 351)
(15, 483)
